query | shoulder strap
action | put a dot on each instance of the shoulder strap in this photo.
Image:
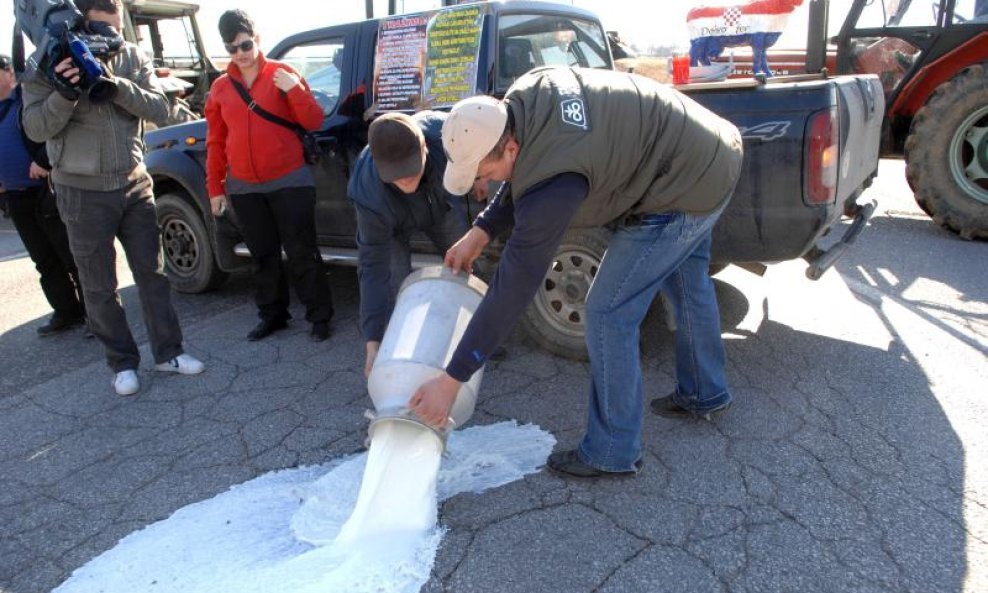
(17, 49)
(253, 106)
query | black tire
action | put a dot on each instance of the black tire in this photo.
(850, 208)
(947, 154)
(555, 319)
(189, 260)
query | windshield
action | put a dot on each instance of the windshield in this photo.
(898, 13)
(169, 41)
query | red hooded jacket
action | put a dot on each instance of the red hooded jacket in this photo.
(255, 149)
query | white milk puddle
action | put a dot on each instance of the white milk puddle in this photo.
(284, 531)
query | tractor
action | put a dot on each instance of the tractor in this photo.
(932, 59)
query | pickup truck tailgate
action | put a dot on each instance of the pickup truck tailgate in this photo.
(770, 217)
(862, 107)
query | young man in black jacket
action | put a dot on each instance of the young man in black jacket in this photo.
(397, 189)
(31, 205)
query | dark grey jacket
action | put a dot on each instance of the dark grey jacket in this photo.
(94, 146)
(642, 146)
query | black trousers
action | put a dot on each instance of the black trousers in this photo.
(93, 220)
(35, 216)
(284, 219)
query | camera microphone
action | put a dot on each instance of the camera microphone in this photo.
(83, 57)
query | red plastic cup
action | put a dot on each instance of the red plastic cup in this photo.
(680, 69)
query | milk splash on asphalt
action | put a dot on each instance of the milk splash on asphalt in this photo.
(289, 530)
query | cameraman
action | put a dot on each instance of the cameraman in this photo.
(104, 192)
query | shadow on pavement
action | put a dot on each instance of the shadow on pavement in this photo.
(30, 359)
(914, 275)
(836, 470)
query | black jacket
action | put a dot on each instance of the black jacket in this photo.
(15, 108)
(386, 215)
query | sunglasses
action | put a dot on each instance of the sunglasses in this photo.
(244, 46)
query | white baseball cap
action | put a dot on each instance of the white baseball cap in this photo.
(470, 132)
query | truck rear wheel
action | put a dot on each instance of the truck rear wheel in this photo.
(556, 319)
(189, 260)
(947, 154)
(557, 316)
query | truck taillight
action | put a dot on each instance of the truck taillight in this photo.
(822, 157)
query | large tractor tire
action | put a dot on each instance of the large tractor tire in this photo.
(556, 319)
(947, 154)
(189, 259)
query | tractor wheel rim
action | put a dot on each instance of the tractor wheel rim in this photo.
(562, 296)
(969, 155)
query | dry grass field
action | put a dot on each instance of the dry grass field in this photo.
(652, 67)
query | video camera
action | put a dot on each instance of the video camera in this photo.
(59, 30)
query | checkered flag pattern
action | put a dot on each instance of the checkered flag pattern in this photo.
(732, 15)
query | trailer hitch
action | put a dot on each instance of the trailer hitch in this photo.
(821, 260)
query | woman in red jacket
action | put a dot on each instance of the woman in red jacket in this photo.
(258, 165)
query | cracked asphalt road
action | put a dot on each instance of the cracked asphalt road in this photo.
(855, 458)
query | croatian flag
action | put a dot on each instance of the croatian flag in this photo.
(760, 16)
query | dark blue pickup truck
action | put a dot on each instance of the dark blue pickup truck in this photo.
(811, 146)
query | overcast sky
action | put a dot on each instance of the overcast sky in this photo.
(644, 22)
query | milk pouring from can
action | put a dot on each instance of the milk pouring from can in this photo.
(433, 308)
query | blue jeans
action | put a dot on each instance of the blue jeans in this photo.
(668, 252)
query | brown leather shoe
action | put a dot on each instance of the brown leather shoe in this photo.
(668, 408)
(569, 464)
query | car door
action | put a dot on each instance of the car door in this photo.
(326, 59)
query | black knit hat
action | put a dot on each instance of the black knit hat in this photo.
(396, 144)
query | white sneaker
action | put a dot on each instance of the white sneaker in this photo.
(126, 383)
(182, 364)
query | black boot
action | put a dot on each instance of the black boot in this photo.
(59, 323)
(320, 331)
(265, 328)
